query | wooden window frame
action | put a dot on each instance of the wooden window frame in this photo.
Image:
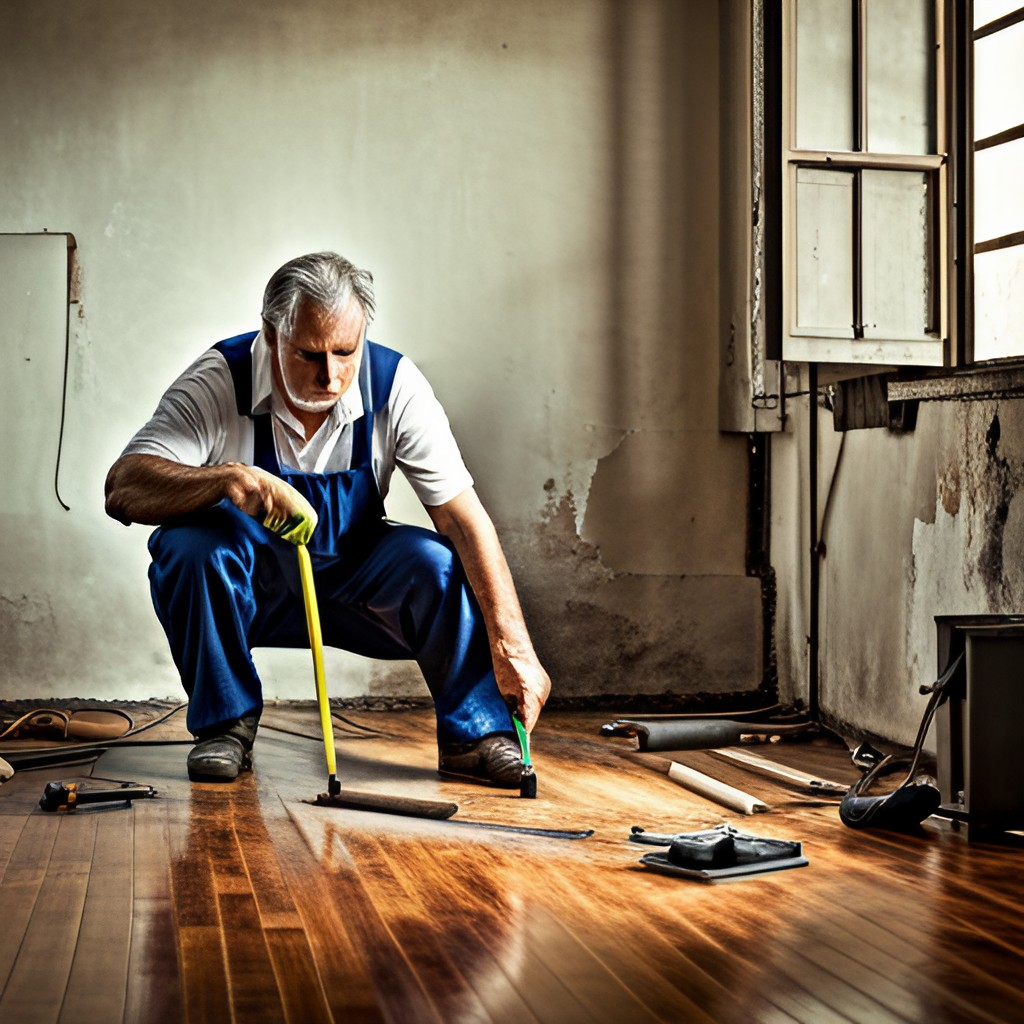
(934, 348)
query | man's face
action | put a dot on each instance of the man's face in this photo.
(316, 363)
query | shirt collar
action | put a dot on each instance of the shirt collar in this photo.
(348, 409)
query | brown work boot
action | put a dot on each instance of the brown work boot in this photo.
(496, 759)
(223, 750)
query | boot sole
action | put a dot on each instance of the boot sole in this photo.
(480, 780)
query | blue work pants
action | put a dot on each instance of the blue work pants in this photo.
(223, 584)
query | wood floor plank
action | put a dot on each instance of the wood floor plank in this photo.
(259, 857)
(945, 960)
(399, 991)
(834, 993)
(299, 985)
(331, 930)
(10, 833)
(479, 933)
(612, 931)
(486, 939)
(424, 948)
(153, 988)
(204, 978)
(202, 955)
(773, 1015)
(19, 890)
(590, 979)
(102, 950)
(48, 946)
(252, 981)
(893, 996)
(154, 984)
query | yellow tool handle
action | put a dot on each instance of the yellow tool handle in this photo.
(317, 646)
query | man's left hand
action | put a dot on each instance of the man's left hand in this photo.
(524, 684)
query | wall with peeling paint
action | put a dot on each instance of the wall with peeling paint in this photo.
(534, 186)
(920, 524)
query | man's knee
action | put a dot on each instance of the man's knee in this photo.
(432, 562)
(216, 539)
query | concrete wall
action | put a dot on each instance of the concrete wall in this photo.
(921, 524)
(534, 186)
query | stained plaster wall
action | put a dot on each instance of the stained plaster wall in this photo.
(534, 187)
(920, 524)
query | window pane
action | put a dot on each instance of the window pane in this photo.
(986, 11)
(900, 76)
(998, 195)
(998, 302)
(894, 239)
(824, 243)
(824, 74)
(999, 81)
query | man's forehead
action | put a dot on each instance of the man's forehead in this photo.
(317, 327)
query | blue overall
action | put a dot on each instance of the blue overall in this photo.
(223, 584)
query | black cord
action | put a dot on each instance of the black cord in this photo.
(72, 247)
(356, 725)
(124, 740)
(828, 497)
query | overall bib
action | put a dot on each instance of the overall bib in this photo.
(223, 584)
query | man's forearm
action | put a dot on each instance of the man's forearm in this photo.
(148, 489)
(487, 570)
(151, 490)
(517, 668)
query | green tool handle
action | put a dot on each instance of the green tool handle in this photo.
(524, 739)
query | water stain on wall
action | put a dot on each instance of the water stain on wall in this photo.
(949, 489)
(993, 485)
(601, 631)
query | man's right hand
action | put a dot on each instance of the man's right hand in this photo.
(276, 504)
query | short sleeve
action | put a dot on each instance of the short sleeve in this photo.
(195, 422)
(425, 449)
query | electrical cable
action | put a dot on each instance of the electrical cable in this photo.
(126, 740)
(72, 248)
(828, 497)
(356, 725)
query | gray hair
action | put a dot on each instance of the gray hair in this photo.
(325, 278)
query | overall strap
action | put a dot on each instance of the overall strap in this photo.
(376, 377)
(238, 353)
(384, 362)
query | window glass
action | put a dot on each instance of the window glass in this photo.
(824, 244)
(895, 250)
(998, 302)
(900, 37)
(999, 190)
(999, 81)
(986, 11)
(824, 74)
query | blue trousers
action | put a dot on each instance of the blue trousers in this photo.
(223, 584)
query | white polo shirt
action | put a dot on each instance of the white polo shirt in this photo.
(197, 424)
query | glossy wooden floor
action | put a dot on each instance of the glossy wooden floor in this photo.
(242, 903)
